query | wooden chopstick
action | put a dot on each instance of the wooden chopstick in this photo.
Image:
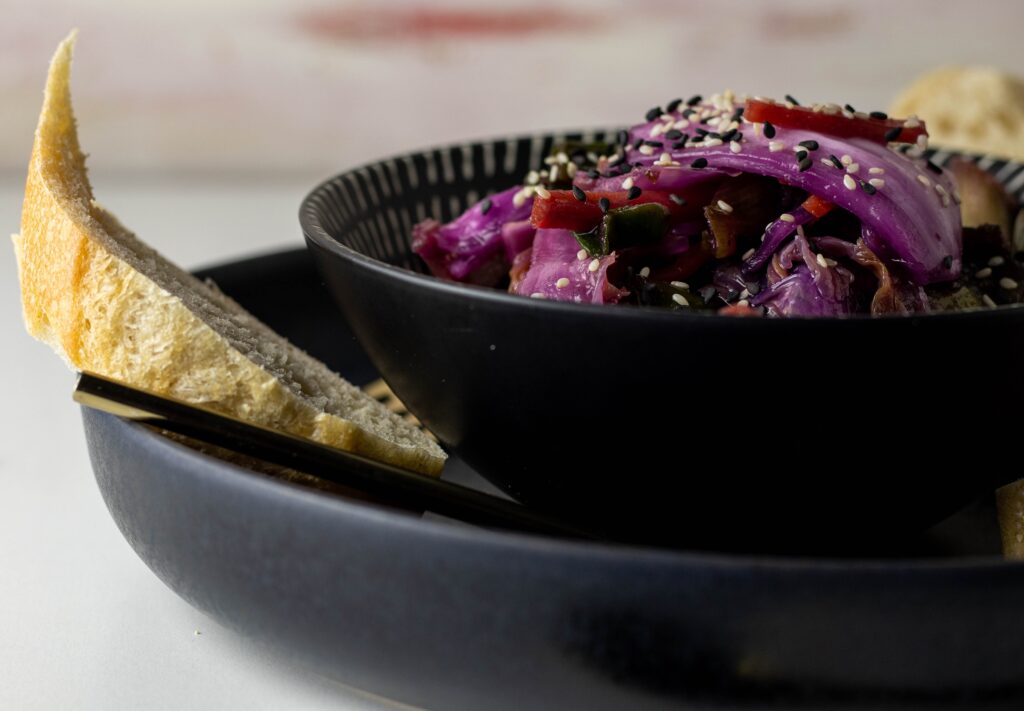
(391, 484)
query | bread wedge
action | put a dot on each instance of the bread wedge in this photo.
(109, 304)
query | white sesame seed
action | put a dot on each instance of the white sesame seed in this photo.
(645, 272)
(581, 255)
(757, 127)
(877, 171)
(877, 183)
(543, 192)
(821, 260)
(996, 261)
(680, 284)
(553, 174)
(786, 217)
(1008, 283)
(537, 295)
(681, 124)
(911, 122)
(922, 141)
(745, 294)
(562, 157)
(940, 190)
(665, 159)
(680, 299)
(849, 182)
(923, 179)
(724, 206)
(570, 169)
(776, 146)
(647, 150)
(831, 262)
(627, 183)
(945, 199)
(519, 199)
(988, 301)
(615, 159)
(712, 143)
(550, 160)
(562, 283)
(594, 265)
(735, 146)
(826, 162)
(657, 129)
(591, 156)
(532, 178)
(852, 168)
(846, 160)
(983, 273)
(748, 254)
(743, 302)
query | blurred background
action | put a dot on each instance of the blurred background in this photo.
(303, 88)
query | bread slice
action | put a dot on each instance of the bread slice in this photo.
(111, 305)
(975, 109)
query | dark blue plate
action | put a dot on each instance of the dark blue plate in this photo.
(451, 617)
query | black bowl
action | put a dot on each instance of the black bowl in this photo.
(682, 428)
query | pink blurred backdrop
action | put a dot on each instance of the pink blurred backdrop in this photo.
(307, 87)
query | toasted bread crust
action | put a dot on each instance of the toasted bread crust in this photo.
(103, 315)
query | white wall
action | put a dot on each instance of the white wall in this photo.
(307, 87)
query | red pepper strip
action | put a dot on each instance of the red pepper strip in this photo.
(816, 206)
(563, 211)
(831, 124)
(739, 310)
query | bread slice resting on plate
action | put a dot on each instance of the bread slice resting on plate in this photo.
(111, 305)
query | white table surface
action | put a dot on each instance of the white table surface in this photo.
(84, 624)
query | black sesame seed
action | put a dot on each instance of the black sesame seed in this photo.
(850, 109)
(578, 193)
(699, 163)
(737, 114)
(729, 135)
(593, 174)
(801, 156)
(880, 115)
(694, 100)
(677, 199)
(653, 113)
(868, 188)
(947, 261)
(809, 145)
(805, 164)
(893, 133)
(604, 204)
(933, 167)
(836, 162)
(903, 148)
(753, 287)
(637, 143)
(680, 145)
(702, 131)
(769, 130)
(634, 193)
(687, 113)
(654, 144)
(790, 99)
(485, 206)
(622, 137)
(731, 294)
(714, 135)
(671, 106)
(673, 134)
(698, 138)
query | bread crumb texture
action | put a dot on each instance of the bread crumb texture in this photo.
(109, 304)
(975, 109)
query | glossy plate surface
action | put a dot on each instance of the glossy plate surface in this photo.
(450, 617)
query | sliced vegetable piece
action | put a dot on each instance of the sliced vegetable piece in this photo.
(833, 124)
(739, 210)
(562, 210)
